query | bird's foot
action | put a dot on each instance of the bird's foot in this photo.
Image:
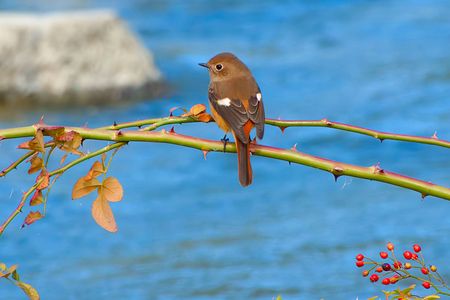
(225, 140)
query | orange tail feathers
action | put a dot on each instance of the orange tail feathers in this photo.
(243, 152)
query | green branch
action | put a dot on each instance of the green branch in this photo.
(115, 134)
(380, 135)
(334, 167)
(283, 124)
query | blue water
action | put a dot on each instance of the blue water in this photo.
(187, 229)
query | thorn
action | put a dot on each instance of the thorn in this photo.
(2, 138)
(172, 130)
(140, 126)
(115, 124)
(41, 120)
(434, 136)
(377, 169)
(381, 140)
(119, 133)
(294, 148)
(172, 110)
(282, 129)
(328, 123)
(424, 195)
(337, 170)
(205, 152)
(289, 162)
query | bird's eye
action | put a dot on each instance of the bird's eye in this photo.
(219, 67)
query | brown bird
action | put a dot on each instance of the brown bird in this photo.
(236, 106)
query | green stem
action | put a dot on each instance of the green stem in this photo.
(19, 207)
(433, 140)
(282, 124)
(336, 168)
(16, 163)
(292, 155)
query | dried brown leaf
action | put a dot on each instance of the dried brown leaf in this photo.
(28, 290)
(36, 164)
(103, 215)
(95, 171)
(204, 117)
(197, 109)
(69, 142)
(36, 143)
(83, 187)
(5, 272)
(112, 189)
(32, 217)
(37, 198)
(54, 131)
(12, 269)
(44, 180)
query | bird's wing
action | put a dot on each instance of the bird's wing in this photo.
(232, 111)
(256, 113)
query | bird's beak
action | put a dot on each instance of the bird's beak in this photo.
(204, 65)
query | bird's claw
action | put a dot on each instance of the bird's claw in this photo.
(225, 140)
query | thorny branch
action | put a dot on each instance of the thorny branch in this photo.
(146, 133)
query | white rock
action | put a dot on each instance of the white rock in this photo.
(82, 57)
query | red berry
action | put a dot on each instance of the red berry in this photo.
(386, 267)
(359, 263)
(416, 248)
(394, 279)
(433, 268)
(426, 284)
(390, 246)
(379, 269)
(415, 256)
(386, 281)
(408, 265)
(383, 255)
(407, 255)
(365, 273)
(374, 278)
(359, 257)
(424, 271)
(397, 265)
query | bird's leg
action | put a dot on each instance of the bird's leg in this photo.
(225, 140)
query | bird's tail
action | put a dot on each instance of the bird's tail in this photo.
(243, 152)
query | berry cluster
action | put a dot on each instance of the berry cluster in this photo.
(391, 269)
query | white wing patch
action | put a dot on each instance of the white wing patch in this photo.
(224, 102)
(258, 96)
